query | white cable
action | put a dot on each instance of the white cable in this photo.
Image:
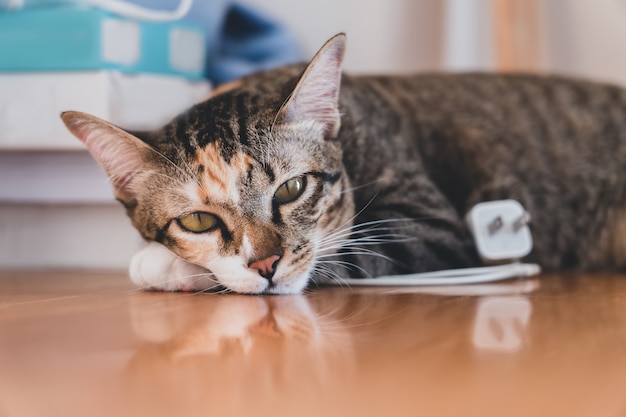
(450, 276)
(137, 12)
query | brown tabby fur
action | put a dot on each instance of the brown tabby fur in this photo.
(411, 155)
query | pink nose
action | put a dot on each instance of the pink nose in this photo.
(266, 267)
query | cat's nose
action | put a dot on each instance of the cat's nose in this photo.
(266, 267)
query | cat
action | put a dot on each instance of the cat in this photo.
(303, 174)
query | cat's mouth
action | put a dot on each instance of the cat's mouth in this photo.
(252, 280)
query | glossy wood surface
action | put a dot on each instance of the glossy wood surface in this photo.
(85, 344)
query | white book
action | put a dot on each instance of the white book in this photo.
(30, 104)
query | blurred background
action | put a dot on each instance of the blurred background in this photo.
(56, 207)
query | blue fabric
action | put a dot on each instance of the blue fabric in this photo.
(250, 42)
(240, 39)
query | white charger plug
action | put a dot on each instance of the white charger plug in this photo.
(500, 230)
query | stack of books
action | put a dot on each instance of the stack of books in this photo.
(133, 73)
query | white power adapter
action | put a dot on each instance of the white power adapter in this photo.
(500, 230)
(501, 233)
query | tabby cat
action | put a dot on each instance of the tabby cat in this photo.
(302, 174)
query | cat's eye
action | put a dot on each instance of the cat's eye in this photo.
(290, 190)
(198, 222)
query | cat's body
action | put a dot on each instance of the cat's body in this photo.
(451, 141)
(281, 166)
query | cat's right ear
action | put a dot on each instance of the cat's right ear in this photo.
(120, 154)
(316, 95)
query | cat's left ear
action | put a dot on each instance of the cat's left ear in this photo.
(316, 95)
(122, 155)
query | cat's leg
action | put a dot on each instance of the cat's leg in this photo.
(407, 228)
(156, 267)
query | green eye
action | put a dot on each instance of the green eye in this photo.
(290, 190)
(198, 222)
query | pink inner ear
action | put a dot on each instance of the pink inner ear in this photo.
(316, 95)
(120, 157)
(116, 151)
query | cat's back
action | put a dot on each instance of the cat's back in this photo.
(518, 103)
(488, 126)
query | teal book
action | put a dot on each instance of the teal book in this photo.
(75, 39)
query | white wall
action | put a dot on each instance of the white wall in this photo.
(585, 38)
(383, 35)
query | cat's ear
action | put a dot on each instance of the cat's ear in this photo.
(120, 154)
(316, 94)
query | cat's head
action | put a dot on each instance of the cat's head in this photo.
(249, 184)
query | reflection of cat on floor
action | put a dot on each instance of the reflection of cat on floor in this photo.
(235, 346)
(227, 321)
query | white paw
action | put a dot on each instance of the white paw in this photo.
(156, 267)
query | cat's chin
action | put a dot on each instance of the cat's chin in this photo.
(293, 286)
(252, 283)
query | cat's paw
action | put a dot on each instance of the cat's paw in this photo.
(156, 267)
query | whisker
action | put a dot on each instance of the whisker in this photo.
(360, 251)
(329, 274)
(221, 290)
(381, 238)
(347, 265)
(370, 241)
(364, 226)
(358, 187)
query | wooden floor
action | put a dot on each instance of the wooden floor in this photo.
(88, 344)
